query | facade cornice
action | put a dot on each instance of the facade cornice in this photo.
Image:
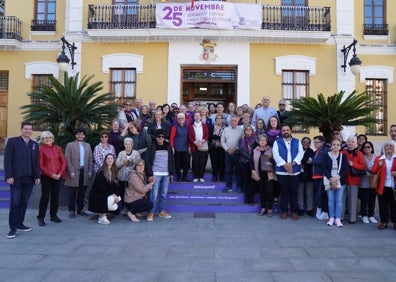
(168, 35)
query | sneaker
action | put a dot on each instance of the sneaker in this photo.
(227, 190)
(103, 220)
(372, 219)
(338, 222)
(56, 219)
(164, 214)
(11, 234)
(150, 216)
(72, 214)
(202, 180)
(365, 219)
(331, 221)
(195, 180)
(24, 228)
(324, 216)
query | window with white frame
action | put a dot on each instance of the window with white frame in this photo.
(377, 91)
(123, 84)
(295, 85)
(38, 82)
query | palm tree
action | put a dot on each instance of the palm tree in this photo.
(331, 113)
(62, 108)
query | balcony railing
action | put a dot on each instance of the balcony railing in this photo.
(43, 25)
(302, 18)
(274, 17)
(121, 16)
(375, 29)
(10, 28)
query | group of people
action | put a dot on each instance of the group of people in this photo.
(250, 150)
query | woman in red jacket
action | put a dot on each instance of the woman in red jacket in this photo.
(356, 161)
(53, 170)
(385, 166)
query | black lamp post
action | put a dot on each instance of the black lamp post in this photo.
(63, 60)
(355, 62)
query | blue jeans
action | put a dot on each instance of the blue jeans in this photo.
(160, 187)
(20, 195)
(335, 201)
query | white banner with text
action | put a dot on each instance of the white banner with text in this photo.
(209, 14)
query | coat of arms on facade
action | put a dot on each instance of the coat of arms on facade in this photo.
(208, 51)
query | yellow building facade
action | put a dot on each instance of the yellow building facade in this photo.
(295, 52)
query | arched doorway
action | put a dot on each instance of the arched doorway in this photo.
(209, 84)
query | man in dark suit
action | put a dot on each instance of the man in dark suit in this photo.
(22, 171)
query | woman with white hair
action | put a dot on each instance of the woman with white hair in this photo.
(357, 168)
(53, 170)
(125, 163)
(385, 166)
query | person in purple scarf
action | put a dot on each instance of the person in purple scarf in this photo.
(247, 143)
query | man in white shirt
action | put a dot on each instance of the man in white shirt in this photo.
(288, 153)
(230, 142)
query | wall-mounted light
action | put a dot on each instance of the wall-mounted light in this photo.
(63, 60)
(355, 62)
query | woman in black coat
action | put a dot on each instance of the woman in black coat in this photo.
(105, 185)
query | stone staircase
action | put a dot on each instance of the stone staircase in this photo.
(195, 197)
(4, 192)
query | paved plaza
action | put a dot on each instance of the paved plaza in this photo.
(196, 247)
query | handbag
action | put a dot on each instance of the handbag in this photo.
(357, 172)
(255, 176)
(111, 204)
(373, 180)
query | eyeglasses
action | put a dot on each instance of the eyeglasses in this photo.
(282, 104)
(367, 147)
(140, 165)
(128, 105)
(104, 136)
(160, 136)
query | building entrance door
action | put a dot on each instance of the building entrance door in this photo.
(209, 84)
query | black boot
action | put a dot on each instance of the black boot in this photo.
(41, 221)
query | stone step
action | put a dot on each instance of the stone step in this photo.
(4, 202)
(219, 208)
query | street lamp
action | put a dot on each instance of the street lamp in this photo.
(63, 60)
(355, 62)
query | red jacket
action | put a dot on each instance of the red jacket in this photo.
(52, 161)
(358, 163)
(191, 136)
(381, 170)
